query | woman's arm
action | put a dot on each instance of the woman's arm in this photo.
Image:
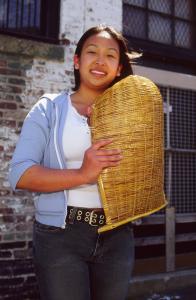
(41, 179)
(32, 141)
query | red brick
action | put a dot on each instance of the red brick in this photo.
(3, 71)
(6, 210)
(14, 245)
(17, 81)
(8, 105)
(8, 218)
(10, 89)
(3, 63)
(14, 72)
(9, 97)
(15, 89)
(5, 254)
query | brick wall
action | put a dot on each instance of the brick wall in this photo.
(27, 70)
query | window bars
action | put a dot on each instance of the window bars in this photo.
(169, 22)
(180, 148)
(30, 18)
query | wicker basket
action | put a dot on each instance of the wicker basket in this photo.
(130, 112)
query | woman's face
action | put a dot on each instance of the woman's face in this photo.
(99, 61)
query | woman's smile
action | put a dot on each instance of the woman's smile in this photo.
(98, 73)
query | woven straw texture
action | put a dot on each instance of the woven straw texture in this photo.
(130, 112)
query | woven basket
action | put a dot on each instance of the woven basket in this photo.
(130, 112)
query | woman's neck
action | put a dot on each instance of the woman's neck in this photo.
(83, 99)
(85, 96)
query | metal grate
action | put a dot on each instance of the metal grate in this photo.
(168, 22)
(183, 9)
(164, 33)
(163, 6)
(183, 119)
(180, 148)
(30, 18)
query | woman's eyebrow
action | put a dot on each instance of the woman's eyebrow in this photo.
(114, 49)
(90, 45)
(94, 45)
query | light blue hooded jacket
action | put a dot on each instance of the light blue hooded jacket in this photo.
(40, 143)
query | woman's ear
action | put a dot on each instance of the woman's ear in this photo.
(119, 70)
(76, 62)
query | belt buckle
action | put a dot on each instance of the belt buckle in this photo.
(91, 218)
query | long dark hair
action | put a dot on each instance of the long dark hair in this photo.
(125, 56)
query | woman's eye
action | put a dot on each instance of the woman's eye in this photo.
(111, 55)
(91, 52)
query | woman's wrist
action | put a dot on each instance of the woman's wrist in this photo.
(82, 177)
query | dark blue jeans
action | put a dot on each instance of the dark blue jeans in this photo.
(77, 263)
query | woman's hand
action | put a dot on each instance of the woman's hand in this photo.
(96, 159)
(42, 179)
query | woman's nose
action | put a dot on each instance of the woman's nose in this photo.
(100, 60)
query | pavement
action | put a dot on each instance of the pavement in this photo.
(187, 293)
(178, 285)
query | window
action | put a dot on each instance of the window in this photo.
(180, 148)
(165, 29)
(164, 21)
(38, 19)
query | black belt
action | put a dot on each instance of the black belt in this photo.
(91, 216)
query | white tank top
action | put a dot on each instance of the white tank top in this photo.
(76, 140)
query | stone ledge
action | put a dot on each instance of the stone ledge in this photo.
(143, 286)
(30, 48)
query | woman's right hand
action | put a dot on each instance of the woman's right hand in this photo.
(42, 179)
(96, 159)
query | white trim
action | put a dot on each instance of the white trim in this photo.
(167, 78)
(58, 157)
(55, 138)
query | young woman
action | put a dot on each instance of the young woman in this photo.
(54, 157)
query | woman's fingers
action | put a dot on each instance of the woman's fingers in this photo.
(110, 164)
(97, 145)
(110, 158)
(98, 148)
(105, 152)
(96, 159)
(105, 155)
